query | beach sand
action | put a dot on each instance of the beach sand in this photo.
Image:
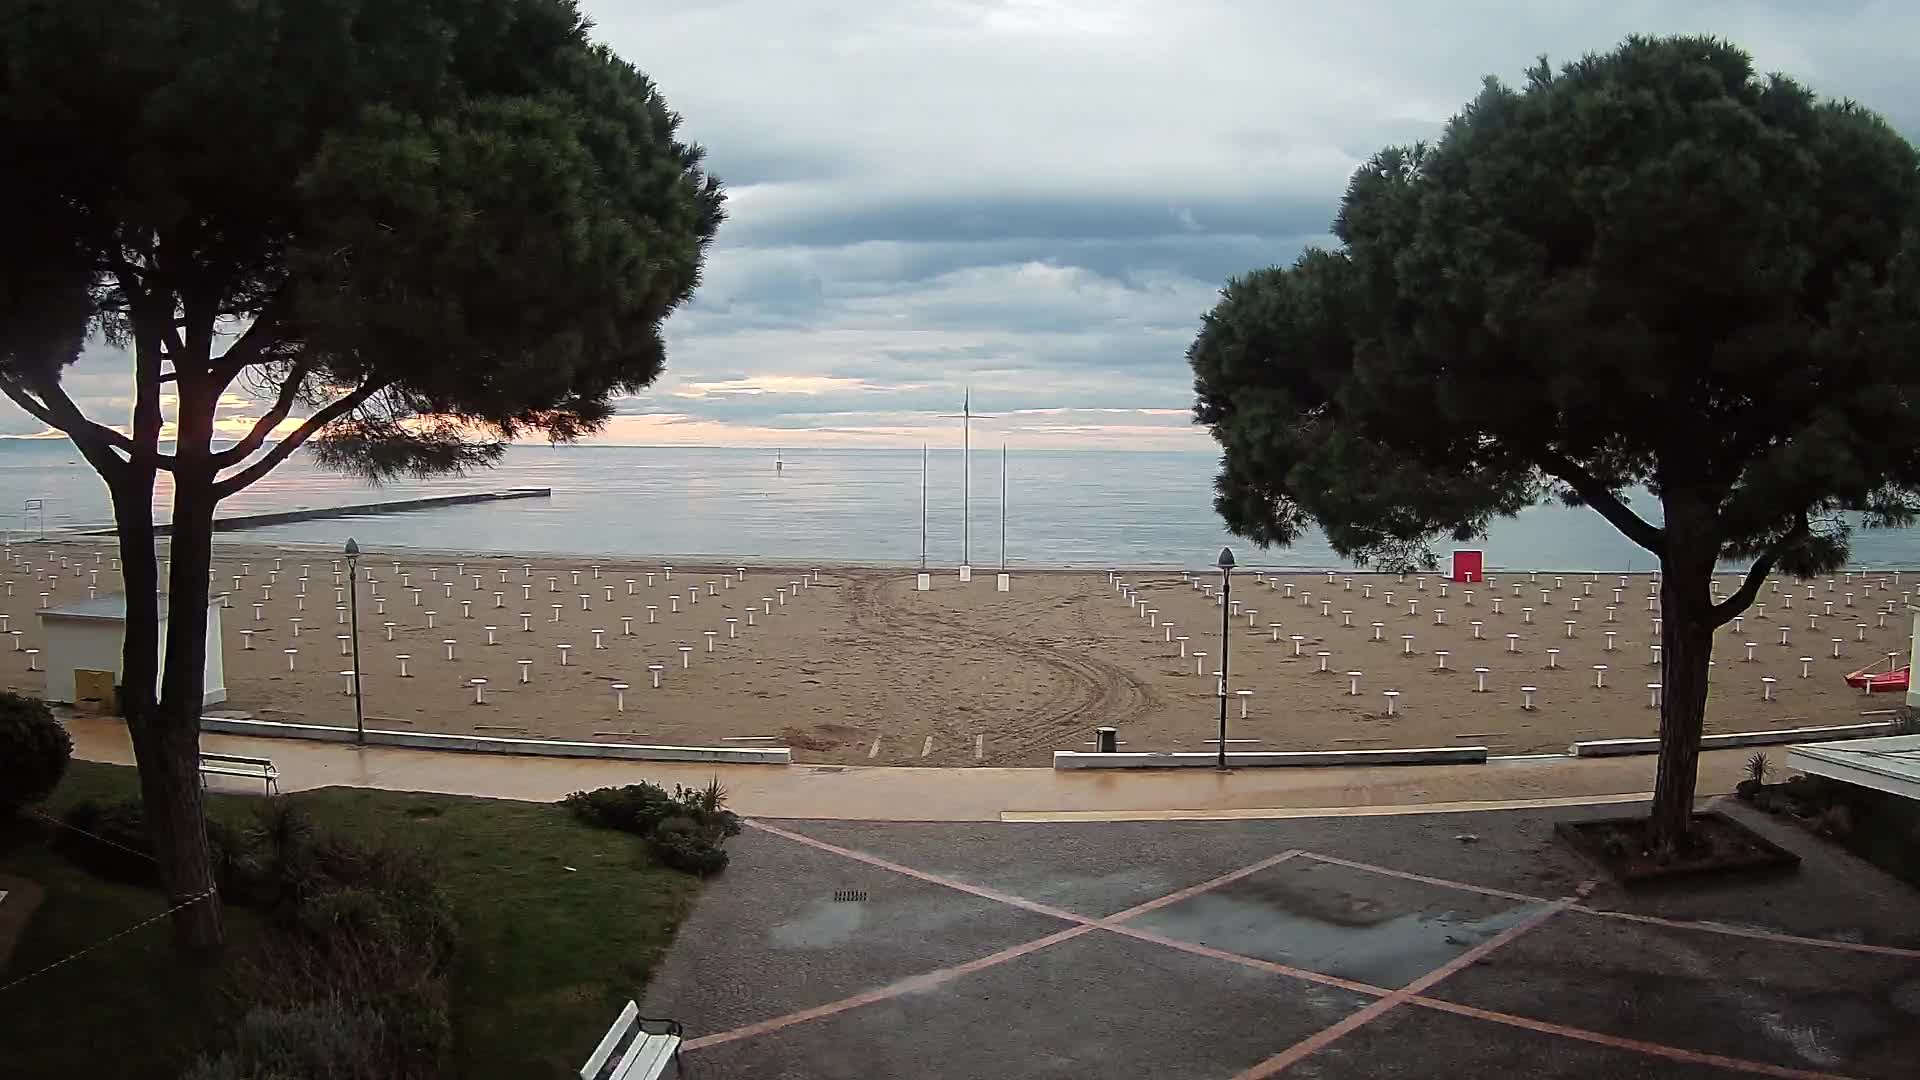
(860, 668)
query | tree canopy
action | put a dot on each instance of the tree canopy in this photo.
(413, 230)
(1654, 269)
(436, 223)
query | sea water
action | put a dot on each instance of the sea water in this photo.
(1064, 508)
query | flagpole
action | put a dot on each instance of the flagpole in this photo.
(1003, 508)
(923, 506)
(966, 479)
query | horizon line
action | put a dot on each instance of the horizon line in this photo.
(597, 444)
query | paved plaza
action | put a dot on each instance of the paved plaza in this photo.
(1466, 944)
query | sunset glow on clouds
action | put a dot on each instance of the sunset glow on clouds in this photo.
(1035, 201)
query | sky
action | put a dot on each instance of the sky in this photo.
(1037, 200)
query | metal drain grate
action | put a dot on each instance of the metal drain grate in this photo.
(850, 896)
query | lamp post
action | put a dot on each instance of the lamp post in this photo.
(1226, 606)
(353, 618)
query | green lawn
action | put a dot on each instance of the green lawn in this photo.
(559, 925)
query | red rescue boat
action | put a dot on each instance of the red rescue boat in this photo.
(1877, 680)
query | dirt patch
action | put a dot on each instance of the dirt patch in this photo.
(814, 740)
(1720, 845)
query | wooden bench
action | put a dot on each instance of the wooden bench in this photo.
(234, 765)
(635, 1048)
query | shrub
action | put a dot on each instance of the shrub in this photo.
(111, 840)
(34, 749)
(638, 808)
(695, 849)
(361, 922)
(363, 900)
(1835, 821)
(327, 1038)
(635, 808)
(685, 830)
(707, 805)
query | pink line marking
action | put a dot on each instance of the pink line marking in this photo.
(1205, 886)
(935, 879)
(911, 985)
(1757, 935)
(1672, 1053)
(1321, 1039)
(1653, 920)
(1388, 1000)
(1423, 879)
(1254, 962)
(929, 980)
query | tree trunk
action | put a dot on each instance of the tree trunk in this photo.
(1686, 646)
(166, 750)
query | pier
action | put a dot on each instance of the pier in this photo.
(315, 513)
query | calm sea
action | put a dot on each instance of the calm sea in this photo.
(1063, 508)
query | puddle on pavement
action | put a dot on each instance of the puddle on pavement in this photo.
(825, 924)
(1330, 931)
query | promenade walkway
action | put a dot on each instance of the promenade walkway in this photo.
(1404, 923)
(856, 793)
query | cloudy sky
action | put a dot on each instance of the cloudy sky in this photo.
(1038, 199)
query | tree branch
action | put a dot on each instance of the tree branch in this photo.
(263, 427)
(131, 277)
(56, 410)
(1595, 494)
(284, 449)
(266, 330)
(96, 442)
(1724, 611)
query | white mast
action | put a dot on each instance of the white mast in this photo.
(1003, 507)
(966, 417)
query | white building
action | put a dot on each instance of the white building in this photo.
(89, 635)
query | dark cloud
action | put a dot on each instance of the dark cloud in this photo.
(1037, 199)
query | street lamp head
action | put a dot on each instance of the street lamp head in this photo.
(1226, 559)
(353, 547)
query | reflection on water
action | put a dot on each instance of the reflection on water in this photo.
(1359, 941)
(1064, 508)
(825, 924)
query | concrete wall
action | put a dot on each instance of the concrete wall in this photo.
(486, 744)
(1732, 739)
(1239, 759)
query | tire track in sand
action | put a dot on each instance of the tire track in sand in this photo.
(1091, 690)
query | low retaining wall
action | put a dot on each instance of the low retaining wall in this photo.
(486, 744)
(1241, 759)
(1620, 747)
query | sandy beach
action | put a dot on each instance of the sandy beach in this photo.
(857, 666)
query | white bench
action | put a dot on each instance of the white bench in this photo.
(633, 1050)
(233, 765)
